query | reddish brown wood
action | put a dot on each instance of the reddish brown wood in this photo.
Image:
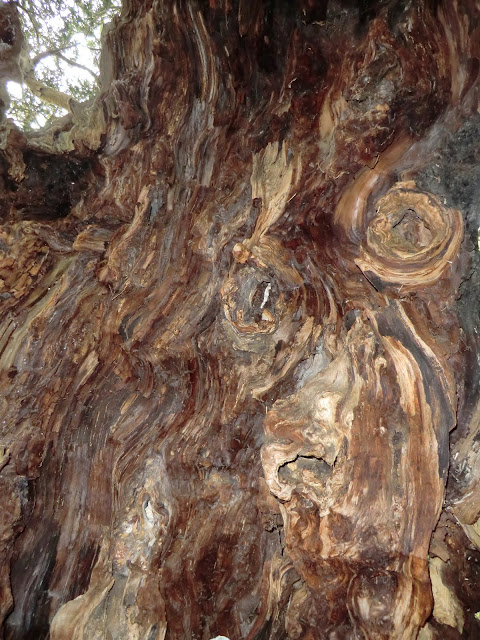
(238, 333)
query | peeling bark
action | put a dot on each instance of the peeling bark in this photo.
(239, 331)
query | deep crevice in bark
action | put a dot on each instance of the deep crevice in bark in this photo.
(239, 331)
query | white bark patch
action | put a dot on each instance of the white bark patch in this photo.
(425, 633)
(149, 515)
(447, 608)
(273, 175)
(266, 295)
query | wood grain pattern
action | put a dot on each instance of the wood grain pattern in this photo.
(239, 330)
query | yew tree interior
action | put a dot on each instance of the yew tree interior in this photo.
(239, 329)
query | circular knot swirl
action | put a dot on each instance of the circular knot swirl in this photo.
(249, 301)
(411, 240)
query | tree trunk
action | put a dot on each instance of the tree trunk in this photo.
(239, 330)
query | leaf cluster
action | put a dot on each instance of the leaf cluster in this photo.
(63, 40)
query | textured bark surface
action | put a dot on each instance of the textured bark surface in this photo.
(239, 330)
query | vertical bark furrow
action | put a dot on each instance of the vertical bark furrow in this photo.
(231, 358)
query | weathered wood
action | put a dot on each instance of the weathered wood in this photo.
(238, 332)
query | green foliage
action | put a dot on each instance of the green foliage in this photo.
(61, 37)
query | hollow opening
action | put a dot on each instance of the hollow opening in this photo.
(305, 470)
(411, 231)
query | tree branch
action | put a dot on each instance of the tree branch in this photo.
(32, 18)
(80, 66)
(48, 52)
(58, 53)
(47, 94)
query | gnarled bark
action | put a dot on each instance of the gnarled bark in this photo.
(239, 331)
